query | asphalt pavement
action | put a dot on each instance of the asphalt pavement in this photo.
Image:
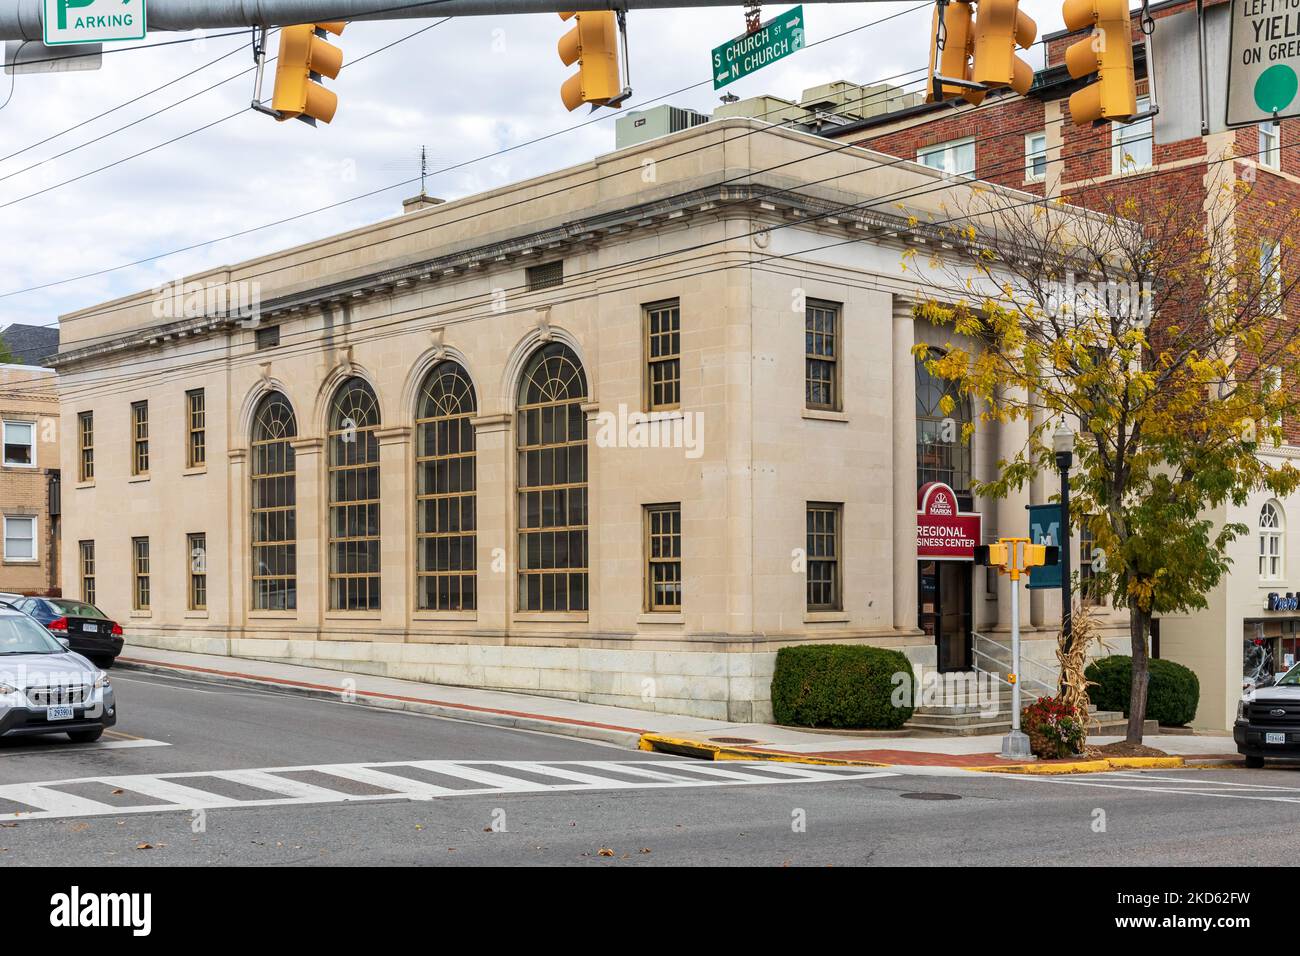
(253, 776)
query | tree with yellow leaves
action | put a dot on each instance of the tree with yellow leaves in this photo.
(1159, 336)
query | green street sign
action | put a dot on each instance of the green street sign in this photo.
(772, 41)
(93, 21)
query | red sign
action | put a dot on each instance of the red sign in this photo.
(943, 532)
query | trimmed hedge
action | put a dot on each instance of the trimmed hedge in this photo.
(838, 685)
(1172, 693)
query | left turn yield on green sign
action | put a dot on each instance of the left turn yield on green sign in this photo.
(93, 21)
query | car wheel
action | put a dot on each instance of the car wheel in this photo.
(85, 736)
(1254, 762)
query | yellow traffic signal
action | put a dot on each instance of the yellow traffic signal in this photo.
(999, 28)
(1108, 52)
(304, 58)
(954, 59)
(593, 45)
(1035, 555)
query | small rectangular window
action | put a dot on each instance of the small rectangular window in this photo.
(20, 538)
(19, 444)
(1270, 144)
(140, 438)
(1270, 276)
(196, 443)
(663, 554)
(1131, 143)
(198, 558)
(267, 337)
(140, 572)
(87, 550)
(663, 351)
(822, 355)
(1035, 157)
(1088, 584)
(545, 276)
(957, 158)
(823, 558)
(86, 441)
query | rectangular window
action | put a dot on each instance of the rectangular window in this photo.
(1270, 144)
(20, 444)
(196, 441)
(545, 276)
(823, 558)
(957, 158)
(663, 554)
(267, 337)
(1270, 383)
(20, 538)
(1270, 276)
(140, 572)
(139, 438)
(663, 351)
(1131, 142)
(1088, 595)
(1035, 157)
(198, 552)
(821, 355)
(87, 550)
(86, 441)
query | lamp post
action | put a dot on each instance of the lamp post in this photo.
(1063, 445)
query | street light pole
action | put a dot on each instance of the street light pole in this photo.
(1063, 445)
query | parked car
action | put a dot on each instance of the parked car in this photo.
(9, 599)
(1268, 720)
(87, 629)
(46, 688)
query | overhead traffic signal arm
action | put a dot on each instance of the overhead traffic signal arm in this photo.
(1108, 52)
(305, 57)
(593, 45)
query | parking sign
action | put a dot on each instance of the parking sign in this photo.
(93, 21)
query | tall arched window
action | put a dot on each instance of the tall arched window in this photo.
(274, 506)
(445, 481)
(941, 454)
(354, 498)
(552, 482)
(1271, 550)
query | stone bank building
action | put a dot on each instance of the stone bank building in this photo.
(614, 433)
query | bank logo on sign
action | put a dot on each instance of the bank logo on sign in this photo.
(93, 21)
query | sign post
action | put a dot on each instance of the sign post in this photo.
(1263, 62)
(93, 21)
(772, 41)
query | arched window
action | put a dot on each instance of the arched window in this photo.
(1271, 550)
(445, 481)
(552, 482)
(274, 506)
(941, 454)
(354, 498)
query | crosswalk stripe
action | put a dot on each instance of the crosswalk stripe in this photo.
(184, 791)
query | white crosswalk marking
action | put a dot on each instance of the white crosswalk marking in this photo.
(186, 791)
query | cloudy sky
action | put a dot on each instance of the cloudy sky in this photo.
(466, 89)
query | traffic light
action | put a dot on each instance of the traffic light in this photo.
(593, 45)
(1108, 52)
(992, 555)
(954, 59)
(304, 58)
(1038, 555)
(999, 28)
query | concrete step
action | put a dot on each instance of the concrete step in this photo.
(1107, 723)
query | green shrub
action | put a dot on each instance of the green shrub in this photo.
(839, 685)
(1172, 694)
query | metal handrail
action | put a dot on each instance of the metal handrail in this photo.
(1024, 681)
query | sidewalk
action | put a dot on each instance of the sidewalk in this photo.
(623, 726)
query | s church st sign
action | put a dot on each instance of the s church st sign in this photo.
(943, 531)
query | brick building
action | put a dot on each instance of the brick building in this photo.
(29, 476)
(1029, 143)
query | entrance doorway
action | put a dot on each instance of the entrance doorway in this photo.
(944, 610)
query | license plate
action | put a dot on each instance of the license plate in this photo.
(1274, 738)
(90, 628)
(60, 712)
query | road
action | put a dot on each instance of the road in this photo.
(260, 777)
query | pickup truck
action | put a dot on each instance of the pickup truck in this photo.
(1268, 720)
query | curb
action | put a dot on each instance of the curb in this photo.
(1089, 766)
(627, 737)
(684, 747)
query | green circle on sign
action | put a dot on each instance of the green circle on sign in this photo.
(1276, 88)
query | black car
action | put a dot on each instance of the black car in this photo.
(88, 630)
(1268, 721)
